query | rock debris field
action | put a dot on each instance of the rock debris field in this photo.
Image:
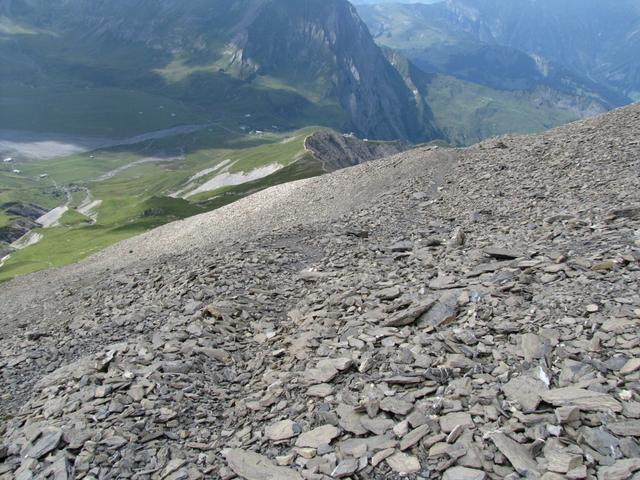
(442, 314)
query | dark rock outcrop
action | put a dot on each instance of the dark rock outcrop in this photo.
(26, 210)
(335, 150)
(17, 229)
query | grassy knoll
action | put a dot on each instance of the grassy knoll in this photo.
(4, 219)
(73, 218)
(20, 188)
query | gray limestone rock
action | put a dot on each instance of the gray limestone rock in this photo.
(253, 466)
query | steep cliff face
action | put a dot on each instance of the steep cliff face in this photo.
(326, 48)
(318, 50)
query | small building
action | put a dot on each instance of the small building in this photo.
(15, 170)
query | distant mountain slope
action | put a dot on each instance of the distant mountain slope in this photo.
(283, 62)
(467, 112)
(595, 38)
(588, 44)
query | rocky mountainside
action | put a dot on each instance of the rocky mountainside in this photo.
(443, 313)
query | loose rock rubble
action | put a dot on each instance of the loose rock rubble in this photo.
(478, 320)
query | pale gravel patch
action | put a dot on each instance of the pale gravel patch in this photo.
(284, 141)
(228, 179)
(225, 164)
(116, 171)
(89, 210)
(52, 217)
(4, 259)
(27, 240)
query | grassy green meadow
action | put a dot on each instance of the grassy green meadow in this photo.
(136, 188)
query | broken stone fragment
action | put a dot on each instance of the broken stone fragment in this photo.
(409, 315)
(463, 473)
(306, 452)
(578, 473)
(560, 459)
(525, 391)
(414, 436)
(600, 440)
(620, 470)
(533, 347)
(47, 442)
(320, 390)
(458, 239)
(631, 366)
(455, 434)
(503, 253)
(350, 420)
(581, 398)
(321, 374)
(345, 468)
(452, 420)
(518, 455)
(253, 466)
(627, 428)
(628, 212)
(567, 414)
(318, 436)
(404, 246)
(282, 430)
(443, 312)
(284, 460)
(60, 469)
(326, 370)
(378, 425)
(396, 405)
(403, 464)
(390, 293)
(381, 455)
